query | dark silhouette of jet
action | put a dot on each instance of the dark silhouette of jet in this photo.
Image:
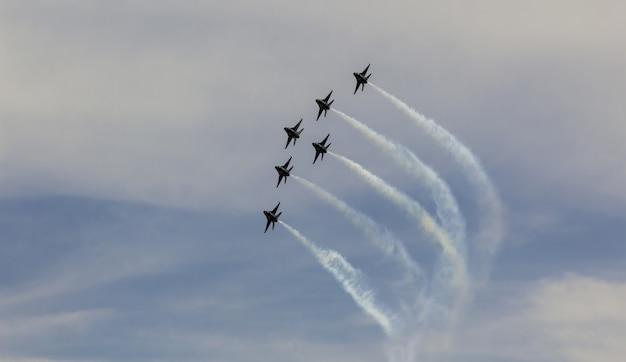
(324, 105)
(321, 148)
(293, 133)
(283, 171)
(361, 79)
(271, 217)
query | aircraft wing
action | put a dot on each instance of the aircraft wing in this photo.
(319, 113)
(288, 140)
(317, 153)
(324, 140)
(280, 178)
(357, 86)
(276, 208)
(267, 226)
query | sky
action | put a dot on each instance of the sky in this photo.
(137, 145)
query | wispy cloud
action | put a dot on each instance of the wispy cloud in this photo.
(571, 318)
(36, 325)
(182, 104)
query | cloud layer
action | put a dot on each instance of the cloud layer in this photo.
(569, 318)
(162, 120)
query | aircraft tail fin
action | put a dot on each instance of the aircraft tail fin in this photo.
(331, 102)
(368, 77)
(280, 213)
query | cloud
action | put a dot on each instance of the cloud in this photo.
(159, 102)
(182, 104)
(195, 346)
(34, 325)
(22, 335)
(26, 359)
(584, 317)
(570, 318)
(90, 278)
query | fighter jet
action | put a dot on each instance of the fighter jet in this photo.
(271, 217)
(324, 105)
(283, 171)
(361, 79)
(293, 133)
(321, 148)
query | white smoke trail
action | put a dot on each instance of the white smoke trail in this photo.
(380, 236)
(414, 209)
(351, 279)
(447, 207)
(443, 294)
(491, 229)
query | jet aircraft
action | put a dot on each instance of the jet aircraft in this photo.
(271, 217)
(293, 133)
(321, 148)
(283, 171)
(324, 105)
(361, 79)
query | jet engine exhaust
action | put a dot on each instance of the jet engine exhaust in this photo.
(432, 301)
(491, 230)
(378, 235)
(352, 280)
(410, 206)
(447, 207)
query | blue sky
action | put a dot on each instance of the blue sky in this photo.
(137, 145)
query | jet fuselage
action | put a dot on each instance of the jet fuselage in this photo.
(361, 79)
(271, 217)
(282, 171)
(324, 105)
(321, 148)
(293, 133)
